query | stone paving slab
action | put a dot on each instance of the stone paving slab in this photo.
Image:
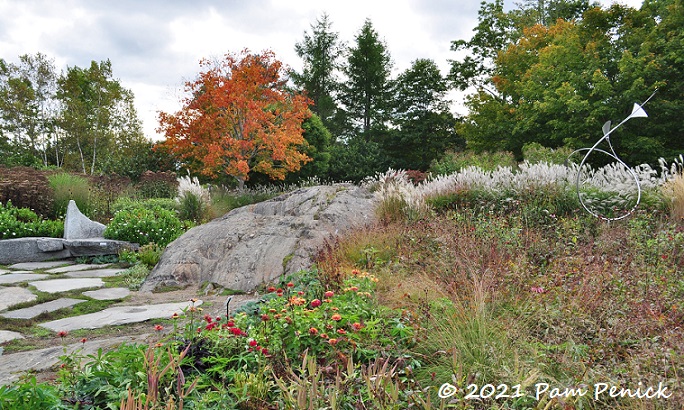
(95, 273)
(11, 278)
(74, 268)
(3, 271)
(7, 335)
(118, 315)
(65, 285)
(33, 311)
(14, 295)
(108, 293)
(39, 265)
(13, 365)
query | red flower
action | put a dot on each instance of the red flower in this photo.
(271, 289)
(324, 335)
(332, 341)
(290, 285)
(236, 331)
(336, 317)
(329, 294)
(253, 343)
(158, 327)
(357, 326)
(341, 331)
(230, 323)
(315, 303)
(265, 317)
(264, 351)
(208, 318)
(62, 333)
(84, 340)
(313, 331)
(175, 316)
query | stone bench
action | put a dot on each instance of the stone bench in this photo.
(82, 237)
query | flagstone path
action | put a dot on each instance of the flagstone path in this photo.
(20, 283)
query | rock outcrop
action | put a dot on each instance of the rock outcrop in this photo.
(258, 243)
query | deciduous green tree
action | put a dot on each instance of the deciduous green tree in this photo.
(27, 108)
(97, 117)
(557, 84)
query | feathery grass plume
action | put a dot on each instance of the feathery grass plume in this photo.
(193, 199)
(398, 198)
(673, 189)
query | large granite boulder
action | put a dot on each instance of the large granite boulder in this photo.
(258, 243)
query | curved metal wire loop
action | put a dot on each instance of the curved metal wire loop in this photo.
(637, 111)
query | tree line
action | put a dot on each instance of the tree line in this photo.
(548, 72)
(81, 120)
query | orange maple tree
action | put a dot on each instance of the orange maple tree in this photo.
(238, 118)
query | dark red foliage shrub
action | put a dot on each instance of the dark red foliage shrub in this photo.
(27, 188)
(161, 184)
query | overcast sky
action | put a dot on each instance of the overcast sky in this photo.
(155, 45)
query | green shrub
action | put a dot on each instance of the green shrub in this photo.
(29, 394)
(150, 254)
(534, 153)
(67, 187)
(487, 161)
(127, 204)
(23, 222)
(143, 226)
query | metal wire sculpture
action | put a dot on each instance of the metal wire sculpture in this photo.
(637, 111)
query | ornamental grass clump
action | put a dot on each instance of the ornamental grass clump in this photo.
(397, 196)
(68, 187)
(673, 190)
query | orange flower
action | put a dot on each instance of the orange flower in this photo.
(336, 317)
(332, 341)
(313, 331)
(329, 294)
(357, 326)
